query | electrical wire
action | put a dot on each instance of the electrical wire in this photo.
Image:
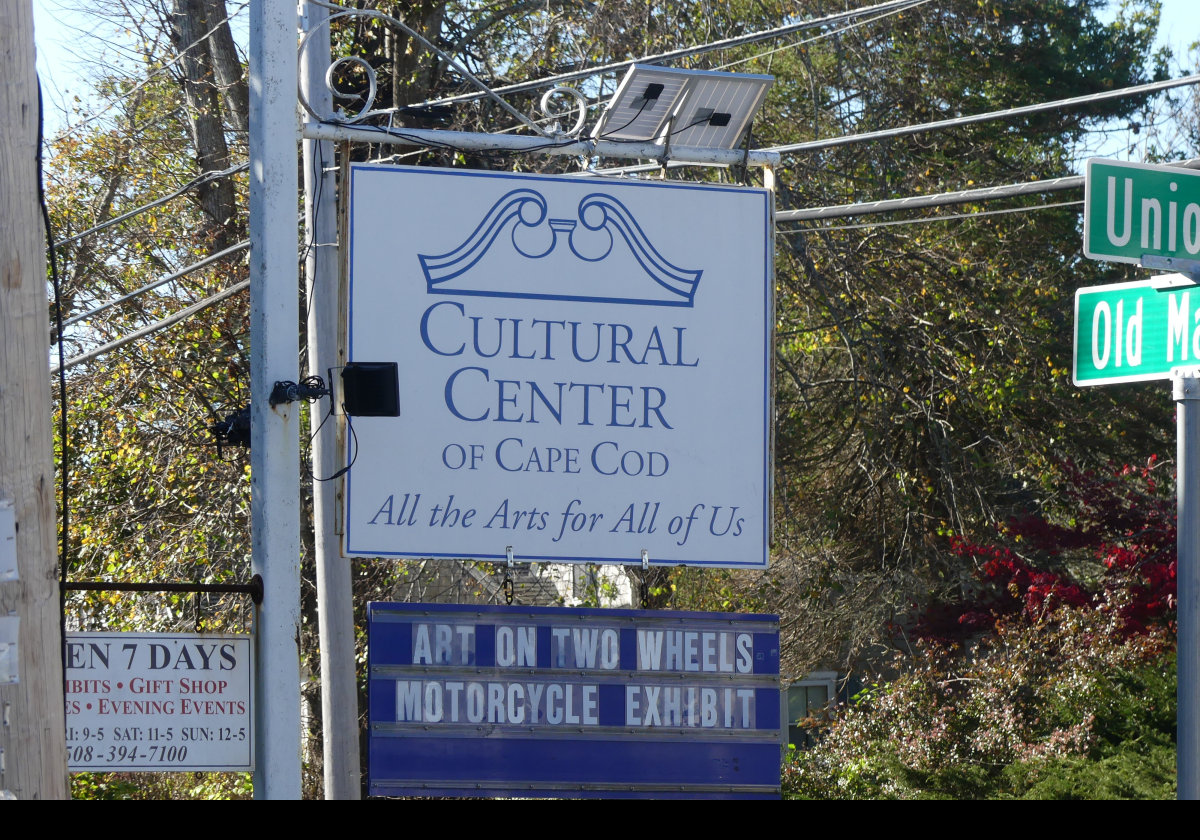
(955, 122)
(199, 180)
(927, 219)
(915, 202)
(432, 47)
(154, 284)
(154, 73)
(822, 36)
(686, 52)
(64, 440)
(149, 329)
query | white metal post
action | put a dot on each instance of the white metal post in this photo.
(335, 599)
(274, 346)
(1186, 387)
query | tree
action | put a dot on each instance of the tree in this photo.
(923, 378)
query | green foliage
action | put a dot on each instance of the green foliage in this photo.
(159, 786)
(923, 382)
(1063, 709)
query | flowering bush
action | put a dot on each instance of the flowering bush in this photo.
(970, 723)
(1067, 688)
(1117, 550)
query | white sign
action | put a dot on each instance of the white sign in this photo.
(160, 702)
(584, 365)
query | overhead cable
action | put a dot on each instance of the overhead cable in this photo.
(149, 329)
(156, 71)
(916, 202)
(855, 25)
(727, 43)
(950, 217)
(154, 284)
(202, 178)
(920, 128)
(954, 122)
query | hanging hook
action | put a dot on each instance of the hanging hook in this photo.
(507, 586)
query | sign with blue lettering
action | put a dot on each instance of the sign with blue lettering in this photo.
(584, 364)
(539, 701)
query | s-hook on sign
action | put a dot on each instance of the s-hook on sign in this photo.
(584, 368)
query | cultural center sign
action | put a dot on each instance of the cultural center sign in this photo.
(529, 701)
(584, 368)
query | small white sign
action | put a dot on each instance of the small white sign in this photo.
(159, 702)
(10, 660)
(584, 368)
(8, 542)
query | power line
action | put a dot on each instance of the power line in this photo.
(856, 24)
(154, 284)
(728, 43)
(149, 329)
(916, 202)
(954, 122)
(156, 72)
(199, 180)
(926, 219)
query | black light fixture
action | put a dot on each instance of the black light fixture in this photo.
(371, 389)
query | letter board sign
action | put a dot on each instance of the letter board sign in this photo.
(542, 701)
(584, 368)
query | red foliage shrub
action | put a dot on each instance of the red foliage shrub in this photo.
(1118, 553)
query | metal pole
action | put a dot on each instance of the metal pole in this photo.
(274, 346)
(335, 597)
(1186, 388)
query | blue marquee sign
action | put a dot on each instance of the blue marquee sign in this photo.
(528, 701)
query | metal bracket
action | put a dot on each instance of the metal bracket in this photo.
(507, 585)
(665, 157)
(1189, 267)
(8, 542)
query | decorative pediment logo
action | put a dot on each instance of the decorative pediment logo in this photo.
(602, 256)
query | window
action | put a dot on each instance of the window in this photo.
(810, 698)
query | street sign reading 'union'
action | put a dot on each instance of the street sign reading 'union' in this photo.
(1133, 210)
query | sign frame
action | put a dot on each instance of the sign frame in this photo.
(665, 473)
(144, 702)
(1177, 188)
(580, 703)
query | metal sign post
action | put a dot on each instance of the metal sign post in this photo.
(1127, 332)
(1187, 763)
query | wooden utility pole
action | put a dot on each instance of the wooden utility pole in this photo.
(32, 730)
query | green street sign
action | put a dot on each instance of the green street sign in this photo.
(1131, 210)
(1132, 332)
